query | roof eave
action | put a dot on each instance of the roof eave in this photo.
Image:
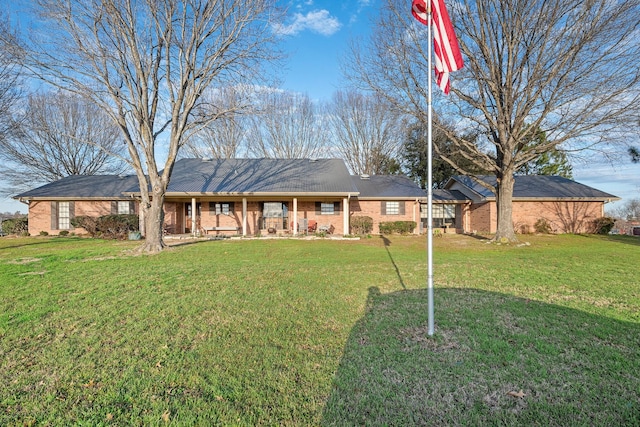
(369, 198)
(260, 194)
(69, 198)
(566, 199)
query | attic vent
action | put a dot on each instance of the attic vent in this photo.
(364, 176)
(207, 159)
(313, 160)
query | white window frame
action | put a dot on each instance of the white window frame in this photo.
(392, 208)
(443, 214)
(223, 208)
(124, 207)
(64, 216)
(327, 208)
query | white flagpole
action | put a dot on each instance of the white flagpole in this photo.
(429, 181)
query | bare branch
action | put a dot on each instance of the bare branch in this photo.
(147, 64)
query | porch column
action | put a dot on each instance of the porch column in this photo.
(295, 216)
(345, 216)
(244, 216)
(194, 226)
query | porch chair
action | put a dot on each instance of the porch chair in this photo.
(327, 228)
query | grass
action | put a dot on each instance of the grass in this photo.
(292, 332)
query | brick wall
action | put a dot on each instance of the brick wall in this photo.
(563, 217)
(40, 215)
(483, 218)
(372, 208)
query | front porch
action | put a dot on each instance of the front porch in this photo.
(233, 216)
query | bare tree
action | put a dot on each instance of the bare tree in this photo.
(286, 125)
(629, 210)
(224, 137)
(146, 63)
(560, 67)
(9, 81)
(60, 135)
(367, 128)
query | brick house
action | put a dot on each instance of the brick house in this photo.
(236, 197)
(565, 205)
(287, 197)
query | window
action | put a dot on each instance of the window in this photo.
(123, 208)
(392, 208)
(327, 209)
(274, 215)
(220, 208)
(61, 215)
(443, 214)
(64, 218)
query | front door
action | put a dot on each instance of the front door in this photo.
(188, 222)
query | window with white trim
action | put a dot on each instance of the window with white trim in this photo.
(392, 208)
(64, 217)
(124, 208)
(327, 209)
(444, 214)
(221, 208)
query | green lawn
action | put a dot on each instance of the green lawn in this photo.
(294, 332)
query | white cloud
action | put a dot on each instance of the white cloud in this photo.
(317, 21)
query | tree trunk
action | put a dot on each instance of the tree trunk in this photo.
(153, 224)
(504, 202)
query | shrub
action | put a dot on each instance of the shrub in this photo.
(89, 223)
(18, 226)
(542, 226)
(63, 233)
(108, 226)
(522, 228)
(44, 233)
(361, 225)
(603, 225)
(401, 227)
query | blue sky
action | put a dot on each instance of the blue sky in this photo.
(317, 34)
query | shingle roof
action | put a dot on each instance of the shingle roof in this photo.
(387, 186)
(538, 187)
(448, 196)
(84, 186)
(256, 176)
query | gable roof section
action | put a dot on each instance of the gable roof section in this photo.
(261, 176)
(93, 187)
(528, 187)
(387, 187)
(444, 196)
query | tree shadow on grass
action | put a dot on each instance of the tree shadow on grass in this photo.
(573, 368)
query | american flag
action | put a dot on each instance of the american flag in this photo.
(445, 43)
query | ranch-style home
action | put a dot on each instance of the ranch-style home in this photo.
(289, 197)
